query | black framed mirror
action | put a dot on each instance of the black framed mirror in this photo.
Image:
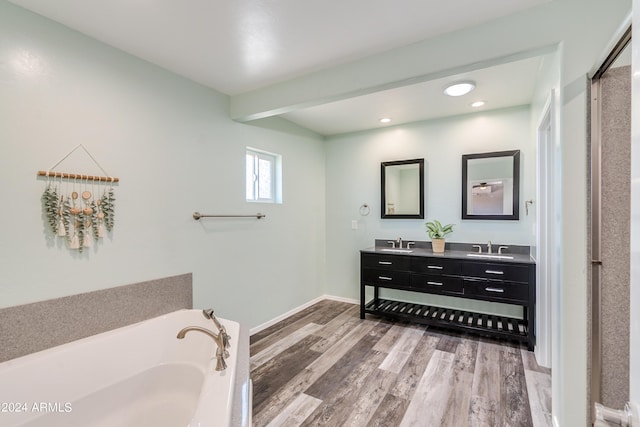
(491, 185)
(402, 189)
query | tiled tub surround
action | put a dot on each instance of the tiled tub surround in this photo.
(37, 326)
(137, 375)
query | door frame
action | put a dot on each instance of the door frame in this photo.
(544, 233)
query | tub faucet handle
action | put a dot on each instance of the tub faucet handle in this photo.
(221, 365)
(208, 313)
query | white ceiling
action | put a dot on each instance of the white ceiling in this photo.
(237, 46)
(500, 86)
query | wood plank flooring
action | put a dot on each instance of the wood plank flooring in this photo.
(324, 366)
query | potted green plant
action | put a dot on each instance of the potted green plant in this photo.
(437, 232)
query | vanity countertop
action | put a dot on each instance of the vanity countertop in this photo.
(459, 251)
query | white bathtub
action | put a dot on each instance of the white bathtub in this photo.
(140, 375)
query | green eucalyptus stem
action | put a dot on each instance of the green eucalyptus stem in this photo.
(94, 220)
(81, 230)
(50, 206)
(108, 208)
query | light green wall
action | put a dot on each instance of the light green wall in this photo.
(353, 178)
(171, 143)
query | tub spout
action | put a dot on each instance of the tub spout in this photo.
(221, 365)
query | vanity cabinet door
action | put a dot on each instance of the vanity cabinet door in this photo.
(496, 271)
(507, 292)
(437, 284)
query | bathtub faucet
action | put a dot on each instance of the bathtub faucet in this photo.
(221, 365)
(208, 313)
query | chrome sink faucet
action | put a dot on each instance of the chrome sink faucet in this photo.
(208, 313)
(397, 242)
(489, 248)
(221, 365)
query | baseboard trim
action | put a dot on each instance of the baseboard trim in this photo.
(341, 299)
(293, 311)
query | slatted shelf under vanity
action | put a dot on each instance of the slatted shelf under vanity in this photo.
(484, 324)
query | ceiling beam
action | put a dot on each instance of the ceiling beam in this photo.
(528, 33)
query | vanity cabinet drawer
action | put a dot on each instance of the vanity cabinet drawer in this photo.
(437, 284)
(387, 262)
(509, 272)
(436, 266)
(386, 277)
(497, 291)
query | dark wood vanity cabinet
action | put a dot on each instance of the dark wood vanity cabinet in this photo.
(479, 279)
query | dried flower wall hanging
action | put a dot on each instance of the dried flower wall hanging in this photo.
(81, 216)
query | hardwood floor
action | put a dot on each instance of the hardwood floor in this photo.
(324, 366)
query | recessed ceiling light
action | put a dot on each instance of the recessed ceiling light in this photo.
(478, 104)
(459, 88)
(385, 120)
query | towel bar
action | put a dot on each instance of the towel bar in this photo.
(198, 215)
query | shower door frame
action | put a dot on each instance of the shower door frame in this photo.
(595, 390)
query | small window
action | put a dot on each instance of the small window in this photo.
(263, 176)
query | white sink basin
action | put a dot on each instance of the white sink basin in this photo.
(401, 251)
(490, 256)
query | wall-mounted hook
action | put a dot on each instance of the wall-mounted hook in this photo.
(527, 203)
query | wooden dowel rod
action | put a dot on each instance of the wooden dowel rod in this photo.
(78, 176)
